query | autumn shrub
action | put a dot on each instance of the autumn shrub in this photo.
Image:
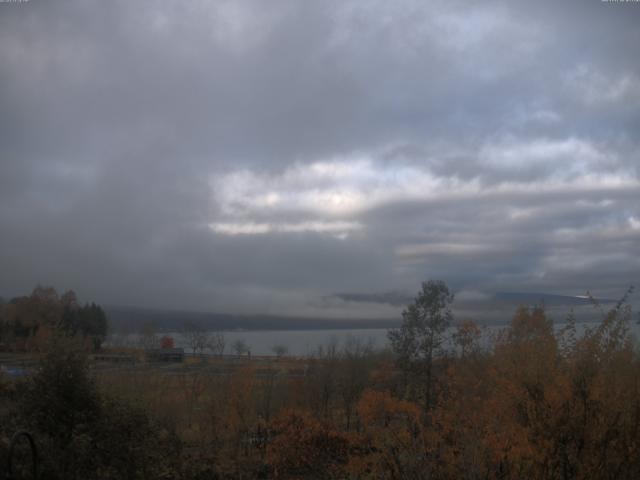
(537, 403)
(301, 447)
(392, 443)
(544, 404)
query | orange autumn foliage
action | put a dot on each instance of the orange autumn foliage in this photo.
(534, 401)
(167, 342)
(540, 403)
(381, 409)
(392, 441)
(533, 409)
(303, 447)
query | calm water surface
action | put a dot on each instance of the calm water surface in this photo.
(307, 342)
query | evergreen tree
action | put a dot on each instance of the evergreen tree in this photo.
(419, 339)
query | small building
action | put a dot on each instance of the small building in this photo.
(165, 354)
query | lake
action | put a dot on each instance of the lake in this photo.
(306, 342)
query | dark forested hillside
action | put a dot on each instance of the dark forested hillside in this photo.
(28, 323)
(128, 319)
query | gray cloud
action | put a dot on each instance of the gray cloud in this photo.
(225, 156)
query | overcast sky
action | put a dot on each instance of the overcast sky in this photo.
(267, 157)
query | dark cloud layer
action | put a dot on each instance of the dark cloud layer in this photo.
(233, 157)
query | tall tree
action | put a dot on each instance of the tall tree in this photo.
(216, 343)
(419, 339)
(196, 337)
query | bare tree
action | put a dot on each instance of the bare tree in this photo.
(322, 377)
(195, 336)
(193, 384)
(216, 343)
(466, 338)
(280, 350)
(148, 338)
(353, 374)
(240, 347)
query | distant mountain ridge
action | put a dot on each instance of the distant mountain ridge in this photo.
(494, 309)
(123, 318)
